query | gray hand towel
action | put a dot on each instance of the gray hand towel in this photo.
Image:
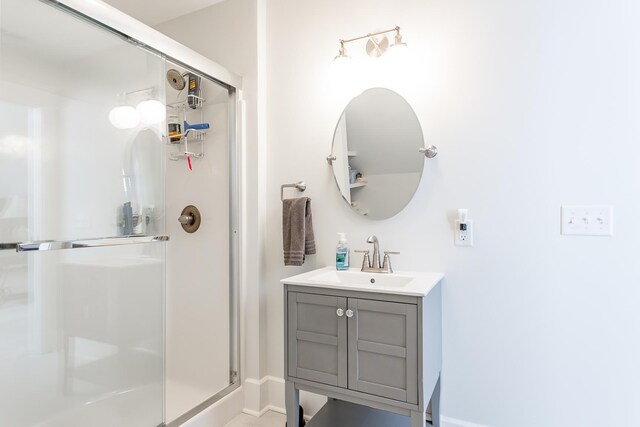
(297, 230)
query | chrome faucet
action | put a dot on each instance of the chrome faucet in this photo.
(373, 266)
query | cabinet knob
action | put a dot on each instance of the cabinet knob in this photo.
(349, 313)
(340, 312)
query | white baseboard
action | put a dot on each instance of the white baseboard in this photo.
(256, 396)
(267, 394)
(219, 413)
(276, 394)
(453, 422)
(309, 401)
(271, 398)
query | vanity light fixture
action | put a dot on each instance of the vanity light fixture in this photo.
(397, 41)
(377, 43)
(341, 53)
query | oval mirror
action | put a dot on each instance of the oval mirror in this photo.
(375, 153)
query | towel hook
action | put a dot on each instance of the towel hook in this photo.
(300, 186)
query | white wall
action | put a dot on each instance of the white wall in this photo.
(532, 104)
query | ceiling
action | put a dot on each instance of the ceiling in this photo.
(154, 12)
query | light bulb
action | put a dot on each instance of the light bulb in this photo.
(397, 52)
(342, 67)
(151, 112)
(342, 72)
(124, 117)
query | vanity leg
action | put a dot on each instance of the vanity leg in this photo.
(418, 419)
(292, 404)
(435, 404)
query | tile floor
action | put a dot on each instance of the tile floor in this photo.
(269, 419)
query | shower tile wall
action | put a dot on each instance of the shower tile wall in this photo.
(198, 264)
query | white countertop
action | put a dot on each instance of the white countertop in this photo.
(409, 283)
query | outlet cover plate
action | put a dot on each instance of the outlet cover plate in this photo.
(463, 238)
(587, 220)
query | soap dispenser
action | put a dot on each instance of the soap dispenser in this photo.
(342, 253)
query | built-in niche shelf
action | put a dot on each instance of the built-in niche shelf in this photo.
(352, 153)
(357, 185)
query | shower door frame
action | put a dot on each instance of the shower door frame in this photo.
(147, 38)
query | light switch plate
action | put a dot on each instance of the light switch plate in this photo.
(587, 220)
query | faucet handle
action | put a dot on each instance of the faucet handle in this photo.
(386, 264)
(366, 262)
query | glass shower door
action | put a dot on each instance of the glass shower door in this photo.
(82, 261)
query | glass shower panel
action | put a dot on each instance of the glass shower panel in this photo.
(81, 330)
(200, 356)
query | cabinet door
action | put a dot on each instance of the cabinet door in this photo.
(383, 349)
(317, 338)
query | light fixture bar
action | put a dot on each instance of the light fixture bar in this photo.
(377, 43)
(396, 29)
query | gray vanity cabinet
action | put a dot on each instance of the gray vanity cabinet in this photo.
(363, 345)
(383, 349)
(374, 350)
(317, 338)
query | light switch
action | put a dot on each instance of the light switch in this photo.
(587, 220)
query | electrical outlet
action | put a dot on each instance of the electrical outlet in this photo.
(587, 220)
(463, 233)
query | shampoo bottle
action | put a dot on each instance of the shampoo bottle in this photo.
(342, 253)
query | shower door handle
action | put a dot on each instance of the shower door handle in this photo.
(8, 246)
(54, 245)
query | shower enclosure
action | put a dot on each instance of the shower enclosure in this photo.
(111, 314)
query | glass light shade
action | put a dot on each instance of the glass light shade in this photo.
(397, 52)
(124, 117)
(341, 67)
(151, 112)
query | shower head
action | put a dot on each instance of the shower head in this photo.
(175, 79)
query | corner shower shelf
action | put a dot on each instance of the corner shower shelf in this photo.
(357, 185)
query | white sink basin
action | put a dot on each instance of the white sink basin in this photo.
(401, 283)
(359, 278)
